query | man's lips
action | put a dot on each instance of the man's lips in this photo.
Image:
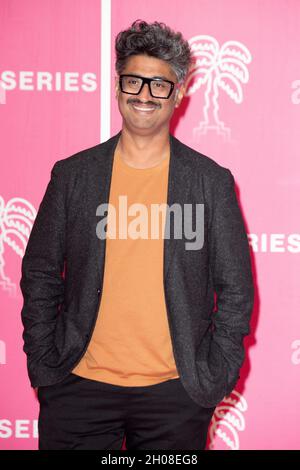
(143, 107)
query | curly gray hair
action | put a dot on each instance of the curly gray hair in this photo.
(156, 40)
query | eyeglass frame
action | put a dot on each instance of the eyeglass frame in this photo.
(148, 81)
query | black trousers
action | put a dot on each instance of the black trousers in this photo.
(80, 413)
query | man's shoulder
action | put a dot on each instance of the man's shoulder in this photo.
(198, 161)
(86, 155)
(81, 157)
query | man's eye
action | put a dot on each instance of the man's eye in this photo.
(159, 85)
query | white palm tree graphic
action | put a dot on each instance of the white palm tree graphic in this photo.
(216, 67)
(16, 221)
(228, 421)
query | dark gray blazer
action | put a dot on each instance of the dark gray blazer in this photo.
(63, 267)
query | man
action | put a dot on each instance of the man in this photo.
(126, 341)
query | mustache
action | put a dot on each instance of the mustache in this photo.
(147, 103)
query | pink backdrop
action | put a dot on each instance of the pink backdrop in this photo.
(242, 110)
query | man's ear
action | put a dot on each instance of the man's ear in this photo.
(179, 94)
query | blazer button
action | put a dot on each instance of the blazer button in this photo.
(98, 291)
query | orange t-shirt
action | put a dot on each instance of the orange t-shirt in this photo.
(131, 344)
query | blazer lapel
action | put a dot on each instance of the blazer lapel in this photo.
(100, 175)
(178, 193)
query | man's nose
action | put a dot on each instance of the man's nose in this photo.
(145, 92)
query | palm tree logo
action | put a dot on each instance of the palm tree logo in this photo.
(216, 67)
(16, 221)
(228, 422)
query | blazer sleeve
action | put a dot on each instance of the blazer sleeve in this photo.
(231, 272)
(41, 283)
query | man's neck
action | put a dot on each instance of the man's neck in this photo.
(143, 151)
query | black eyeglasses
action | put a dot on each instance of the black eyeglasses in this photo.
(133, 84)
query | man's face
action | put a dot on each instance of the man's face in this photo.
(148, 121)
